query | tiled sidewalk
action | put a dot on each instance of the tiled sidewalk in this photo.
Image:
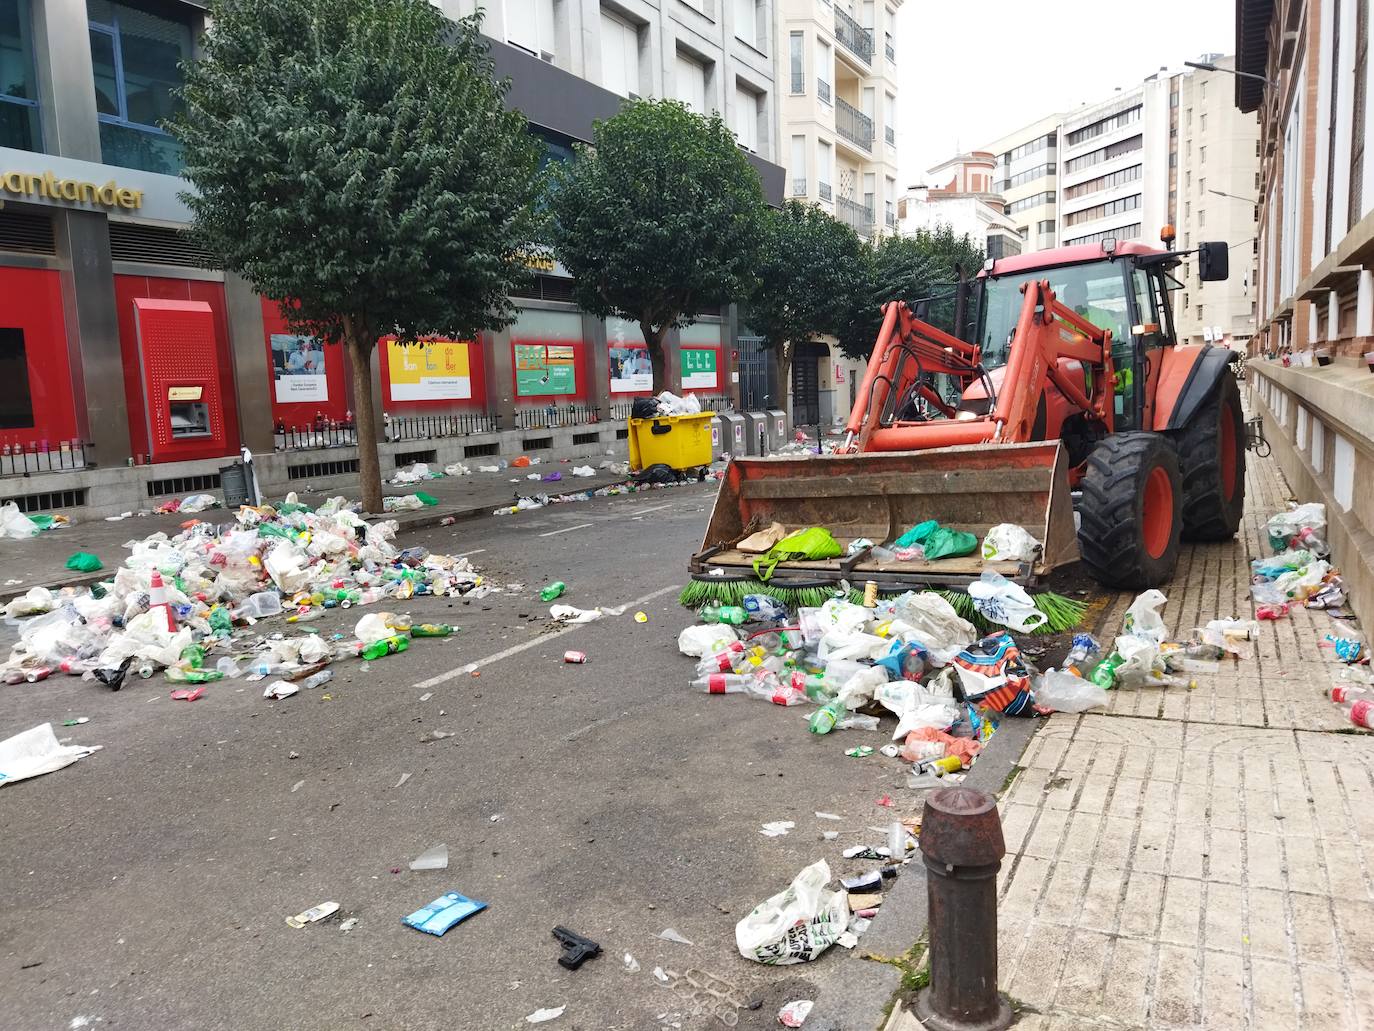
(1203, 858)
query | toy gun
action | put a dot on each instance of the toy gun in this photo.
(576, 948)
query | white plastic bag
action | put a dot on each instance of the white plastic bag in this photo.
(796, 925)
(706, 639)
(1007, 542)
(916, 707)
(285, 564)
(38, 599)
(14, 524)
(1286, 526)
(37, 751)
(999, 600)
(583, 470)
(373, 627)
(1142, 662)
(198, 503)
(932, 621)
(405, 503)
(1143, 618)
(1064, 692)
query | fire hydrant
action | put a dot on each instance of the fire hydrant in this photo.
(961, 843)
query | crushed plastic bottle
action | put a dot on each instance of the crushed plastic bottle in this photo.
(553, 590)
(319, 679)
(732, 615)
(386, 646)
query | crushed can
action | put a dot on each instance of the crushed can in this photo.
(575, 657)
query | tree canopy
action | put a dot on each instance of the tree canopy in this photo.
(659, 219)
(353, 159)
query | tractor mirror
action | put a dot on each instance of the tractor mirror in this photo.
(1213, 261)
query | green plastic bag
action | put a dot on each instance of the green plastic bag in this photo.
(916, 535)
(84, 562)
(942, 542)
(814, 542)
(43, 522)
(428, 499)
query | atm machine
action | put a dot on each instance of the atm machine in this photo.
(181, 379)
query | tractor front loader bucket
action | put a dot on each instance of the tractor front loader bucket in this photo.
(879, 496)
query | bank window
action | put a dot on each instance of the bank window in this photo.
(16, 403)
(136, 58)
(530, 26)
(18, 85)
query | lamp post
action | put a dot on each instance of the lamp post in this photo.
(1207, 66)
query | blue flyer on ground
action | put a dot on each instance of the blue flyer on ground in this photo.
(443, 913)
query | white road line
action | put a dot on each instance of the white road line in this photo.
(566, 529)
(474, 551)
(656, 508)
(542, 639)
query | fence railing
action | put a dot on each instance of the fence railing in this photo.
(42, 457)
(799, 187)
(890, 134)
(427, 427)
(823, 91)
(853, 124)
(857, 39)
(824, 190)
(891, 51)
(315, 435)
(553, 416)
(855, 215)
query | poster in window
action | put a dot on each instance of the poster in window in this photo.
(631, 370)
(542, 370)
(699, 368)
(429, 370)
(298, 369)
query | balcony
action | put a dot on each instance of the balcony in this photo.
(891, 52)
(853, 124)
(890, 134)
(890, 218)
(799, 187)
(823, 91)
(824, 190)
(854, 215)
(856, 39)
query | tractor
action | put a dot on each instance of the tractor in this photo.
(1062, 402)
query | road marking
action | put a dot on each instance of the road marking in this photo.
(465, 669)
(566, 529)
(656, 508)
(474, 551)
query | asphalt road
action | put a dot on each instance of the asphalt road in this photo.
(147, 886)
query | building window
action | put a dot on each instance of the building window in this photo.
(1187, 180)
(824, 168)
(1113, 150)
(1201, 185)
(1357, 142)
(1332, 129)
(1033, 201)
(1201, 123)
(530, 26)
(1103, 182)
(1202, 155)
(889, 210)
(16, 403)
(619, 55)
(1188, 116)
(798, 166)
(1104, 126)
(136, 58)
(796, 47)
(1130, 232)
(824, 67)
(18, 85)
(1202, 90)
(1112, 207)
(890, 118)
(691, 83)
(1201, 217)
(747, 21)
(1029, 175)
(747, 118)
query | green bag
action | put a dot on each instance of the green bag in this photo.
(814, 542)
(428, 499)
(84, 562)
(946, 543)
(916, 535)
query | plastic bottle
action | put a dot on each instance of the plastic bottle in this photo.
(723, 683)
(431, 630)
(732, 615)
(823, 720)
(553, 590)
(324, 676)
(386, 646)
(764, 607)
(1104, 676)
(1084, 654)
(723, 661)
(1361, 713)
(1277, 611)
(179, 675)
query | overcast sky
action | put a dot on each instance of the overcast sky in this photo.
(970, 71)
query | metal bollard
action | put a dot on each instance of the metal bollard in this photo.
(961, 842)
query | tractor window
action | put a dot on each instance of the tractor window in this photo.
(1097, 291)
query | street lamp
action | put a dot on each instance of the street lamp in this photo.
(1207, 66)
(1234, 196)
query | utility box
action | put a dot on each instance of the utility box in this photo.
(732, 433)
(777, 428)
(756, 433)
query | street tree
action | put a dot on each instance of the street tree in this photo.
(657, 220)
(909, 268)
(353, 159)
(812, 272)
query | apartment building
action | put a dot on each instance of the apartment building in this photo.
(966, 202)
(839, 111)
(1027, 177)
(93, 255)
(1305, 70)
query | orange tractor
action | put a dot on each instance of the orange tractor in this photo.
(1070, 396)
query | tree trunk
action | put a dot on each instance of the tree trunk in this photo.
(658, 358)
(359, 343)
(782, 362)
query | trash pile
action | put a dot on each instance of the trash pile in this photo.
(1297, 572)
(525, 503)
(666, 404)
(179, 602)
(16, 526)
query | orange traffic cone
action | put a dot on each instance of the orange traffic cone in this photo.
(157, 596)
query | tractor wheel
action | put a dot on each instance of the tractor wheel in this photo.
(1130, 511)
(1211, 457)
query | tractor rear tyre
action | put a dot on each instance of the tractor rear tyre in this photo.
(1211, 457)
(1130, 511)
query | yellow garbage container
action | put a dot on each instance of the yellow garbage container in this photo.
(679, 442)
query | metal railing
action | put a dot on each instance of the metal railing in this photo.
(857, 39)
(427, 427)
(891, 51)
(891, 219)
(798, 187)
(324, 434)
(552, 416)
(854, 214)
(42, 457)
(853, 124)
(824, 190)
(798, 82)
(890, 134)
(823, 91)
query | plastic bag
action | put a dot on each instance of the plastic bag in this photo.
(14, 524)
(938, 541)
(999, 600)
(405, 503)
(1143, 618)
(1141, 661)
(708, 639)
(38, 599)
(1007, 542)
(285, 564)
(1301, 524)
(1064, 692)
(916, 707)
(761, 540)
(929, 619)
(84, 562)
(797, 924)
(992, 673)
(198, 503)
(815, 542)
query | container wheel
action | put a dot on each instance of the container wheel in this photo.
(1211, 457)
(1130, 512)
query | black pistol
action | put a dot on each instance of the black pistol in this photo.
(575, 948)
